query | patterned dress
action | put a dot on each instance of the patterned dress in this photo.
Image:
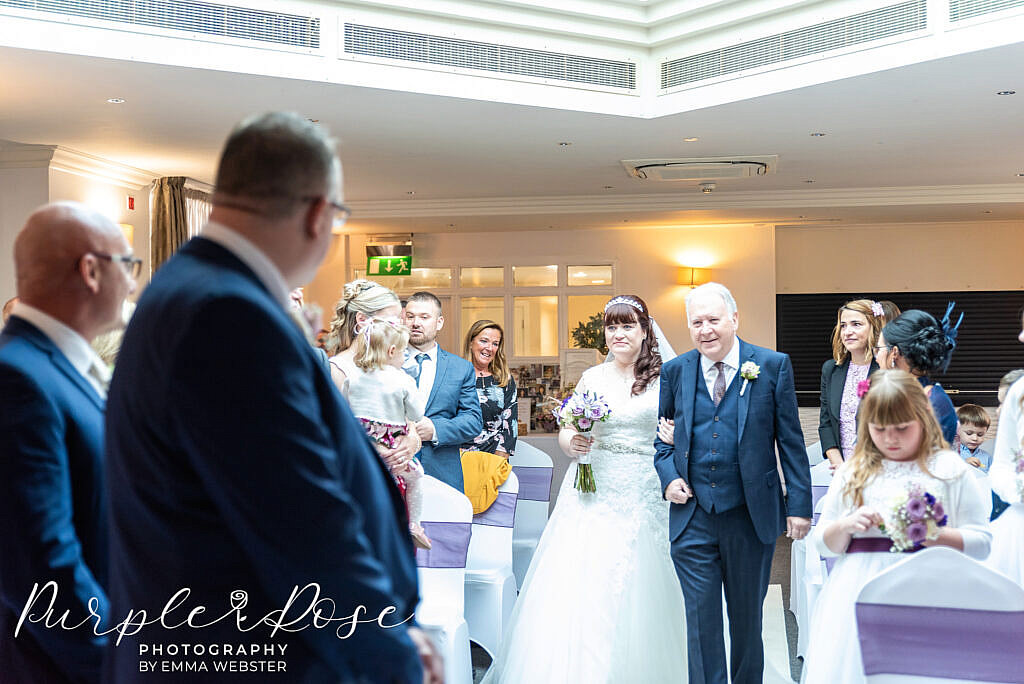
(500, 408)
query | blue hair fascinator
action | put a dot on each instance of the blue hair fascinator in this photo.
(951, 331)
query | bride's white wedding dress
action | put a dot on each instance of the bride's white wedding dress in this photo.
(601, 601)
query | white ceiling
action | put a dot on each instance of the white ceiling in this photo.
(926, 142)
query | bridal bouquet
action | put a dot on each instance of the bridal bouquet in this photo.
(581, 411)
(916, 517)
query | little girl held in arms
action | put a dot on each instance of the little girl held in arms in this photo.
(384, 399)
(900, 451)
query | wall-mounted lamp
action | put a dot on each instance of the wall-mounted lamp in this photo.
(129, 232)
(692, 277)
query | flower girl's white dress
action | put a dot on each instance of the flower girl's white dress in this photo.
(1008, 529)
(601, 601)
(833, 655)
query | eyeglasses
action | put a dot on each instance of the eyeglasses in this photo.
(880, 347)
(343, 211)
(131, 264)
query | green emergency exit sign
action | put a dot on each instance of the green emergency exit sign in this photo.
(388, 265)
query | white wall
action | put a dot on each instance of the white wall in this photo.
(894, 258)
(21, 191)
(742, 258)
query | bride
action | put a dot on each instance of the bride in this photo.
(601, 602)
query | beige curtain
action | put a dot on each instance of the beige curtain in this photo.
(179, 213)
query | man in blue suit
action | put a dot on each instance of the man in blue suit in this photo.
(447, 385)
(74, 270)
(732, 404)
(235, 467)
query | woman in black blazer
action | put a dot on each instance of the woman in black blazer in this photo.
(858, 324)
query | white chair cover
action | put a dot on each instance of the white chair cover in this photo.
(447, 519)
(814, 454)
(941, 617)
(534, 469)
(490, 587)
(806, 586)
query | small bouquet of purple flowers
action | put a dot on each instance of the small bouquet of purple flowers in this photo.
(916, 516)
(581, 410)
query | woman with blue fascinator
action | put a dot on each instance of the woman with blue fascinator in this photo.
(917, 343)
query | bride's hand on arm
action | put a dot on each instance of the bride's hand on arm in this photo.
(667, 430)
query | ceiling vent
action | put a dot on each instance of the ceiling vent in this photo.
(701, 169)
(966, 9)
(207, 18)
(865, 27)
(372, 41)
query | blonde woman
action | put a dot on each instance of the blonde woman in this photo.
(485, 349)
(362, 300)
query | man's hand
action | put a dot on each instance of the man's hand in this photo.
(398, 457)
(678, 491)
(667, 430)
(797, 528)
(433, 663)
(425, 429)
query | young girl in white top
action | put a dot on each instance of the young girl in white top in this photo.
(899, 446)
(384, 399)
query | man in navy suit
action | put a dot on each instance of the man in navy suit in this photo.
(732, 404)
(235, 467)
(74, 270)
(447, 385)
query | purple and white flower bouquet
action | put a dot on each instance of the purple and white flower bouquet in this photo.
(581, 411)
(916, 517)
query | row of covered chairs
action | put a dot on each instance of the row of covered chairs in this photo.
(469, 578)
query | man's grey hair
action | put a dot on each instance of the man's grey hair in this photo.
(277, 159)
(712, 288)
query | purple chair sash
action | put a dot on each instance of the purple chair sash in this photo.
(817, 493)
(534, 482)
(502, 512)
(449, 543)
(951, 643)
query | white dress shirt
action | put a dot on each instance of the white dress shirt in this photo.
(74, 347)
(252, 256)
(427, 373)
(731, 363)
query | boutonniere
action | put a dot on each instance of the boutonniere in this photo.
(748, 371)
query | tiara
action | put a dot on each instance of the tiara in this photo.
(623, 300)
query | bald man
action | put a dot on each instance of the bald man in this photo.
(8, 307)
(73, 269)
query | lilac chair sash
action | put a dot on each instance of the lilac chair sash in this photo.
(449, 543)
(817, 493)
(951, 643)
(502, 512)
(534, 482)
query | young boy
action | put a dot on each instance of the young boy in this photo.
(974, 422)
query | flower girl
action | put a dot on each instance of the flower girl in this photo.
(902, 479)
(384, 399)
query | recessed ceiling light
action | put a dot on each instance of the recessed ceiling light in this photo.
(809, 180)
(1021, 174)
(612, 187)
(451, 225)
(1007, 92)
(313, 120)
(564, 144)
(410, 192)
(115, 100)
(801, 216)
(817, 135)
(691, 139)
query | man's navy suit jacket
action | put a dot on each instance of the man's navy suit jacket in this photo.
(52, 524)
(768, 418)
(454, 408)
(234, 465)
